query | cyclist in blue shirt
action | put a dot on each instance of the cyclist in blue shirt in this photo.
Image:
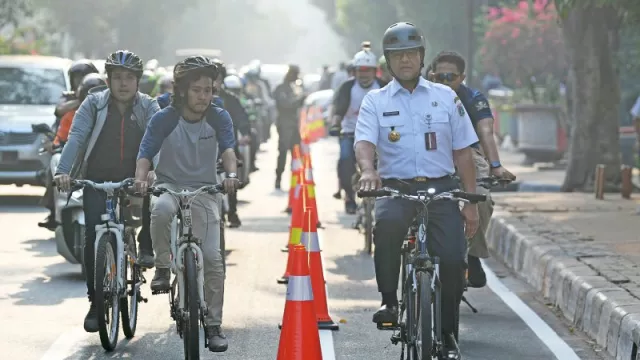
(448, 68)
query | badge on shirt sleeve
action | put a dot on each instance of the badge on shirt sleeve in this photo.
(394, 135)
(481, 105)
(459, 106)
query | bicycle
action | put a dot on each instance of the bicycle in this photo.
(418, 328)
(118, 293)
(364, 216)
(187, 304)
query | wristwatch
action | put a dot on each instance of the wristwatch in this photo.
(232, 176)
(495, 164)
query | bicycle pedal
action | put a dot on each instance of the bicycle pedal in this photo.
(158, 292)
(143, 299)
(387, 326)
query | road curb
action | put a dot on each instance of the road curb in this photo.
(609, 314)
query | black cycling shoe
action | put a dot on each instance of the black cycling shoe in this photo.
(91, 320)
(451, 350)
(234, 220)
(49, 222)
(476, 276)
(146, 259)
(386, 315)
(216, 339)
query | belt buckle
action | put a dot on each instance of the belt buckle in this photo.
(420, 179)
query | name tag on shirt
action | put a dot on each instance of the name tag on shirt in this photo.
(391, 113)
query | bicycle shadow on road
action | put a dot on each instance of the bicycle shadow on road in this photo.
(61, 281)
(357, 267)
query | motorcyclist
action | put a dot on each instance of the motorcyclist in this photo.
(68, 102)
(240, 119)
(235, 85)
(119, 114)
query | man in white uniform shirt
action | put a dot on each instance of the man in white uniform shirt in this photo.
(421, 132)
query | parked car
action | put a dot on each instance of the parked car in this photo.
(30, 88)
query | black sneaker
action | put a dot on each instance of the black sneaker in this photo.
(234, 220)
(161, 280)
(386, 315)
(49, 223)
(476, 276)
(216, 339)
(91, 320)
(146, 259)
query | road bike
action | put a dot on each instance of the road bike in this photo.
(418, 328)
(186, 295)
(118, 277)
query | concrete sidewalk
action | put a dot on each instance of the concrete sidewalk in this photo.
(582, 254)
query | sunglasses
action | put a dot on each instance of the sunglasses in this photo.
(448, 77)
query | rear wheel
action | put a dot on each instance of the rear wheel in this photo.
(191, 330)
(368, 226)
(129, 303)
(106, 292)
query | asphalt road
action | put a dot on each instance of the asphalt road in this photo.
(43, 299)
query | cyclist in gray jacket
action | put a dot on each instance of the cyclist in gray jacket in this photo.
(102, 146)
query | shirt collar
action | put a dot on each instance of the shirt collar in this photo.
(396, 87)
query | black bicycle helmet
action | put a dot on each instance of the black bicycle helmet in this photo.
(124, 59)
(402, 36)
(89, 82)
(79, 69)
(192, 64)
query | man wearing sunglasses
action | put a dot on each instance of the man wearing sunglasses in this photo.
(448, 69)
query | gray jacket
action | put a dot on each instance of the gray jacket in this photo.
(87, 125)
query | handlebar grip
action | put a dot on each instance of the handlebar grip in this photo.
(473, 198)
(373, 193)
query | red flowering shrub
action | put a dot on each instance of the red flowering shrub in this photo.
(520, 43)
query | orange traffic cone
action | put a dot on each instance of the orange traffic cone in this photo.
(299, 339)
(295, 231)
(310, 191)
(296, 167)
(310, 240)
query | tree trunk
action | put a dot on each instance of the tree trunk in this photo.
(591, 37)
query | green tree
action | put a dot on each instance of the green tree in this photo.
(99, 27)
(592, 35)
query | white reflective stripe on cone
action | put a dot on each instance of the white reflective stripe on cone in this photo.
(296, 192)
(299, 289)
(310, 241)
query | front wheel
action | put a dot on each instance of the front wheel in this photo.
(106, 292)
(129, 303)
(191, 330)
(423, 328)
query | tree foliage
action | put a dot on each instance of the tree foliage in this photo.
(99, 27)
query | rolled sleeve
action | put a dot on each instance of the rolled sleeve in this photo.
(367, 126)
(635, 110)
(462, 131)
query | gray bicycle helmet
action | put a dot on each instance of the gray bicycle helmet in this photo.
(124, 59)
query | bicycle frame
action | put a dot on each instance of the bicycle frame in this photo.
(113, 222)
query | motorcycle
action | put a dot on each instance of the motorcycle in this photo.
(69, 233)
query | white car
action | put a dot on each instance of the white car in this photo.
(30, 89)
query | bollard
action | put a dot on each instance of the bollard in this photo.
(626, 173)
(599, 182)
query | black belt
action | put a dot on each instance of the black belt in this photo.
(417, 180)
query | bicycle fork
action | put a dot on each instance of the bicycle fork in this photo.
(188, 246)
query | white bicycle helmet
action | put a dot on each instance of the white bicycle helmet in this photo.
(233, 82)
(365, 58)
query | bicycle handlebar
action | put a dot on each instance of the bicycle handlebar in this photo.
(424, 196)
(493, 181)
(211, 189)
(105, 186)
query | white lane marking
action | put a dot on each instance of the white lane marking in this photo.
(543, 331)
(326, 343)
(326, 336)
(65, 344)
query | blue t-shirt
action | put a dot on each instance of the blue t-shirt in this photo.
(477, 106)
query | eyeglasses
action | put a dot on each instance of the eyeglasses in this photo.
(448, 77)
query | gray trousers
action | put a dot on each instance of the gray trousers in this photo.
(205, 212)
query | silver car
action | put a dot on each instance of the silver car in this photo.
(30, 89)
